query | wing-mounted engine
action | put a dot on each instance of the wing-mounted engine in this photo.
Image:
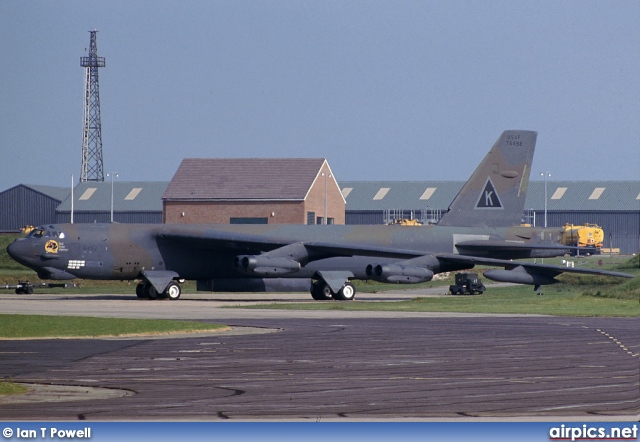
(398, 273)
(265, 265)
(281, 261)
(411, 271)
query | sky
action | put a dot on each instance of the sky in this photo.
(384, 90)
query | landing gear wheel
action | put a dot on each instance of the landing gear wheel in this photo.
(173, 291)
(347, 292)
(151, 292)
(140, 291)
(320, 291)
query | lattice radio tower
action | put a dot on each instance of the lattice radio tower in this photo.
(92, 167)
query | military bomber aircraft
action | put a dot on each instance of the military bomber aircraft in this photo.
(481, 226)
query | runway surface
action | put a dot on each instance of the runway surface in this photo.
(324, 365)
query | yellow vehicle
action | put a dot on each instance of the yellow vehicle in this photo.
(406, 222)
(588, 238)
(26, 230)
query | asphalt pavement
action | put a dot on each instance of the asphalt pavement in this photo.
(322, 365)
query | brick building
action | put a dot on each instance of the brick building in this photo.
(254, 191)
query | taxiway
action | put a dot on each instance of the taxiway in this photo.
(329, 365)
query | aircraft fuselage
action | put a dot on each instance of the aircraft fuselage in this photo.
(123, 251)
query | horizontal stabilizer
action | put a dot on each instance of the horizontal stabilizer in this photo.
(519, 275)
(511, 249)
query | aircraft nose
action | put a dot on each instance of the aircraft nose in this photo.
(19, 250)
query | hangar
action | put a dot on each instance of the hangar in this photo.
(613, 205)
(254, 191)
(133, 202)
(27, 204)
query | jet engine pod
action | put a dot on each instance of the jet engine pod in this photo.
(399, 273)
(519, 276)
(265, 265)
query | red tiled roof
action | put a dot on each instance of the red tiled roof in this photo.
(243, 178)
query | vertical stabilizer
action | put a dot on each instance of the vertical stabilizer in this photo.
(494, 195)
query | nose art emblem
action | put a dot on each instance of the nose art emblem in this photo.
(51, 246)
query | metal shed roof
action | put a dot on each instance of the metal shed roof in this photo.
(243, 178)
(359, 195)
(127, 196)
(584, 195)
(381, 195)
(53, 192)
(561, 195)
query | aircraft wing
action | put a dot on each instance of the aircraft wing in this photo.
(524, 272)
(244, 242)
(263, 255)
(221, 240)
(535, 273)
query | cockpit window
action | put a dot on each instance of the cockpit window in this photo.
(39, 233)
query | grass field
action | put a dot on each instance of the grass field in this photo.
(7, 388)
(575, 295)
(39, 326)
(518, 300)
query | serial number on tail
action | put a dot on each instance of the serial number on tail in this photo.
(513, 140)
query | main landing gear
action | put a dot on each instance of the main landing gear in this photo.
(320, 291)
(146, 290)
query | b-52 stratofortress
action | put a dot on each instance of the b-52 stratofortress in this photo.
(481, 227)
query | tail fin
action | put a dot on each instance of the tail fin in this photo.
(494, 195)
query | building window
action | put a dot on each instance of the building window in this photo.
(319, 220)
(264, 220)
(330, 220)
(311, 218)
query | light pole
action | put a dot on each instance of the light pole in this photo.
(72, 184)
(112, 175)
(545, 175)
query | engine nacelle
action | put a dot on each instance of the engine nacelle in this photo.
(519, 276)
(398, 273)
(265, 265)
